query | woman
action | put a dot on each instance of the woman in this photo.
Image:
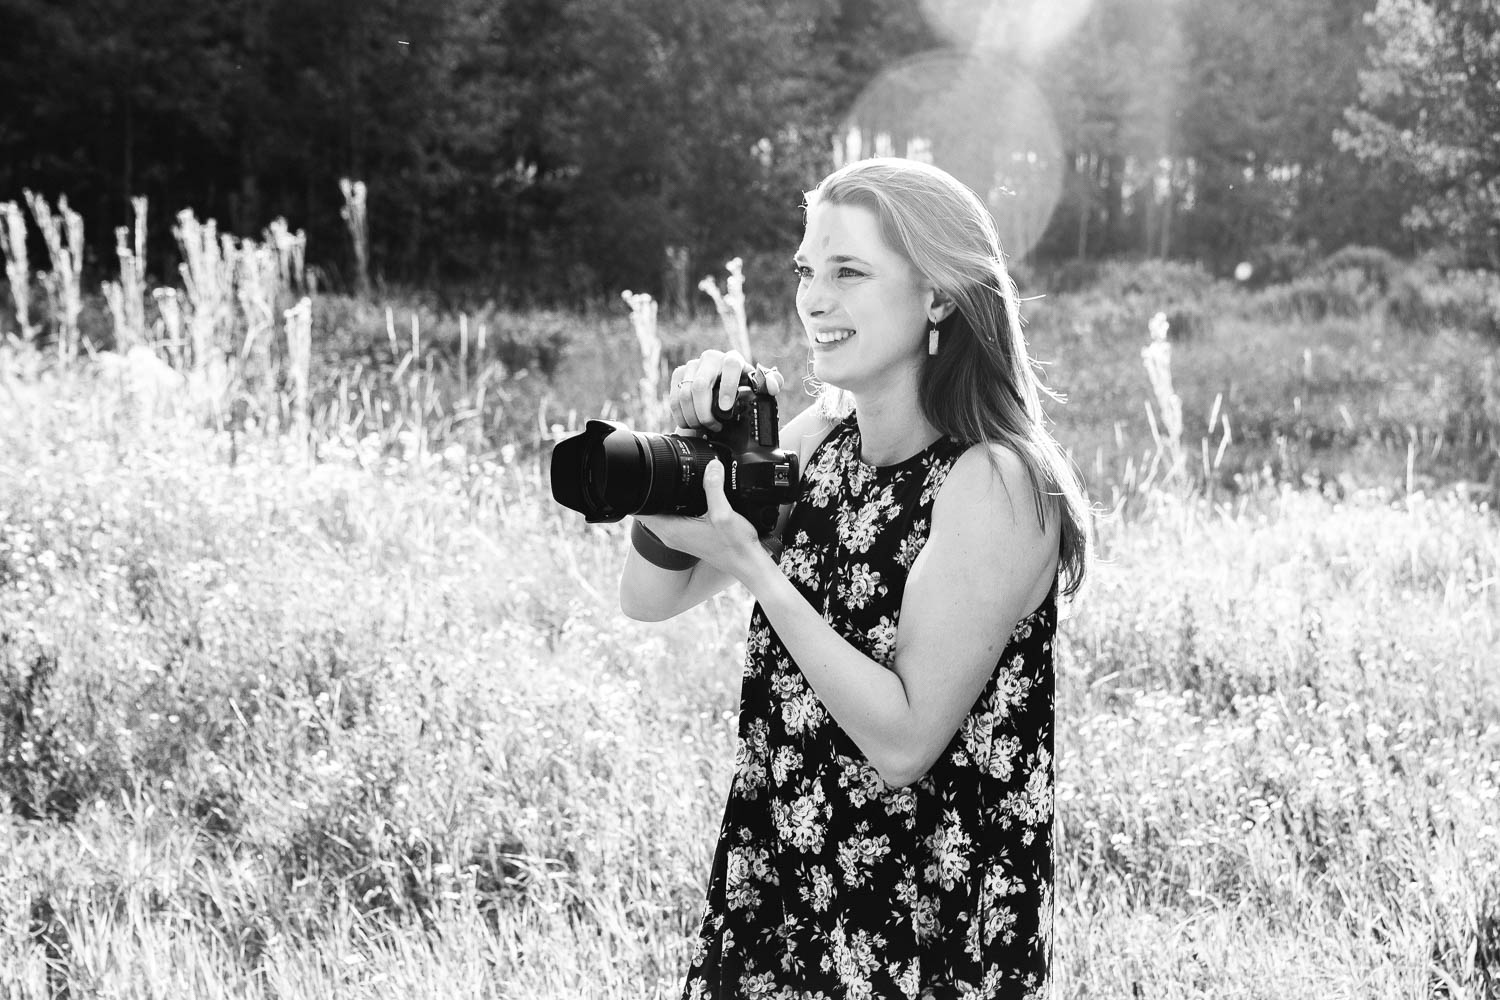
(888, 830)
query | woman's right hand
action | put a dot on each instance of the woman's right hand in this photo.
(692, 395)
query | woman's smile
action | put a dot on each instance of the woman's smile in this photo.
(828, 338)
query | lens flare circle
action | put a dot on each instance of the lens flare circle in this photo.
(1024, 28)
(979, 117)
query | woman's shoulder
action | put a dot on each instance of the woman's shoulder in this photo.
(995, 475)
(989, 517)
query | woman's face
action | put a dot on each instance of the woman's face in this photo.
(864, 307)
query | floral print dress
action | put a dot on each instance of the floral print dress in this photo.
(827, 884)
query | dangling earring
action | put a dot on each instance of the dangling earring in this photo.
(932, 339)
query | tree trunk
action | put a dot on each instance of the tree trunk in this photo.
(1168, 210)
(1083, 231)
(248, 202)
(1150, 209)
(128, 167)
(1084, 192)
(1114, 201)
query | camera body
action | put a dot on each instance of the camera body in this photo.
(609, 471)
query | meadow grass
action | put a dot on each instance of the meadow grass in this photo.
(363, 719)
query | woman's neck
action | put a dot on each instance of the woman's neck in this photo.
(892, 429)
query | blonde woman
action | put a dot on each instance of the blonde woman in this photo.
(889, 827)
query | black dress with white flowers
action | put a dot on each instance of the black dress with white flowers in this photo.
(827, 884)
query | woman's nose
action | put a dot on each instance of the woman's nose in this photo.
(815, 297)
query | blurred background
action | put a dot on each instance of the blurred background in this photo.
(308, 688)
(539, 151)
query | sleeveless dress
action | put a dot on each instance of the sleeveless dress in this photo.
(828, 884)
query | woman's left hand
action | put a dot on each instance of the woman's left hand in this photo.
(721, 537)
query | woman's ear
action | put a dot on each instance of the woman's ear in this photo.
(940, 308)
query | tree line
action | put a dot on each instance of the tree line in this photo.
(558, 149)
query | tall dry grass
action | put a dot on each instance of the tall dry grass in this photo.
(362, 718)
(730, 305)
(371, 727)
(62, 232)
(329, 731)
(17, 267)
(355, 215)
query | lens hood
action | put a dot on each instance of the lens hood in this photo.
(580, 471)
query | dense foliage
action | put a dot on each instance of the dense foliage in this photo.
(555, 149)
(1428, 104)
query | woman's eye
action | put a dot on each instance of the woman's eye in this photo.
(805, 273)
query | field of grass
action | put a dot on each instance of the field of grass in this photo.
(363, 720)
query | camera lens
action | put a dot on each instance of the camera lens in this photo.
(609, 471)
(676, 480)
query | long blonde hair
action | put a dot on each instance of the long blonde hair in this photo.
(982, 385)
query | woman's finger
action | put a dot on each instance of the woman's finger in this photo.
(698, 401)
(698, 404)
(677, 394)
(775, 381)
(713, 491)
(731, 367)
(673, 411)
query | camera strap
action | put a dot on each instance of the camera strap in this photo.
(657, 552)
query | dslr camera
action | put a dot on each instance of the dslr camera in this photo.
(608, 471)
